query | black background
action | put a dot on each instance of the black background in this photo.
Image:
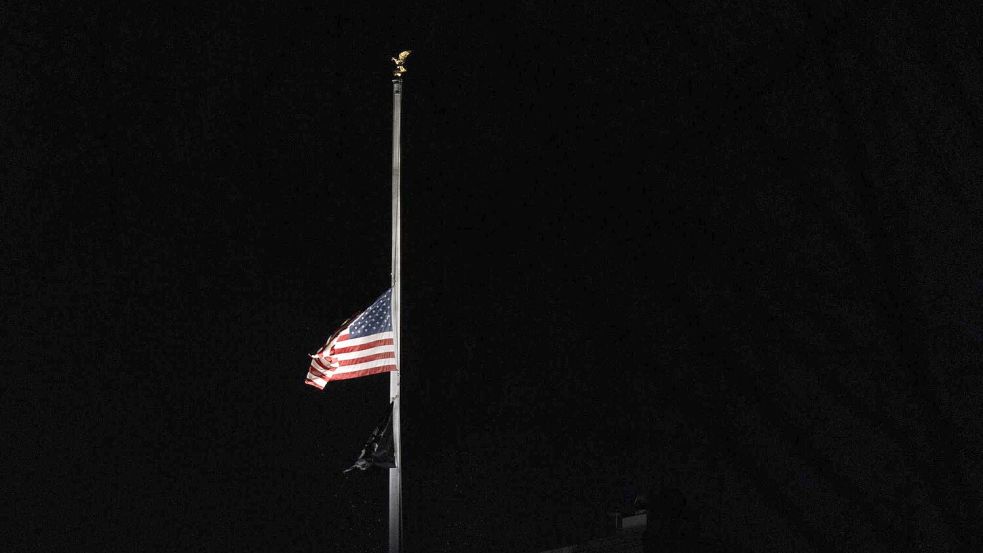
(731, 250)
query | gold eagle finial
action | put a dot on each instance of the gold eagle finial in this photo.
(400, 69)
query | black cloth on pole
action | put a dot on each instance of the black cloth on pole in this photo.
(379, 449)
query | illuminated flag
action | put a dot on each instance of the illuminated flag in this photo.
(359, 348)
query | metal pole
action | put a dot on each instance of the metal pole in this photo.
(395, 483)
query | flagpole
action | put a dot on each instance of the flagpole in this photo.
(395, 481)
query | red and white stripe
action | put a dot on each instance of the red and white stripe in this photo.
(345, 357)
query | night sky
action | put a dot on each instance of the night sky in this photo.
(733, 251)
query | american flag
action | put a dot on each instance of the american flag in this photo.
(359, 348)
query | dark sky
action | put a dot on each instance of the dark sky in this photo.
(730, 250)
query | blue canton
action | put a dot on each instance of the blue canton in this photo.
(377, 318)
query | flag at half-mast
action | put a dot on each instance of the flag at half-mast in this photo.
(361, 347)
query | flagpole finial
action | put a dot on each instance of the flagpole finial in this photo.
(399, 60)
